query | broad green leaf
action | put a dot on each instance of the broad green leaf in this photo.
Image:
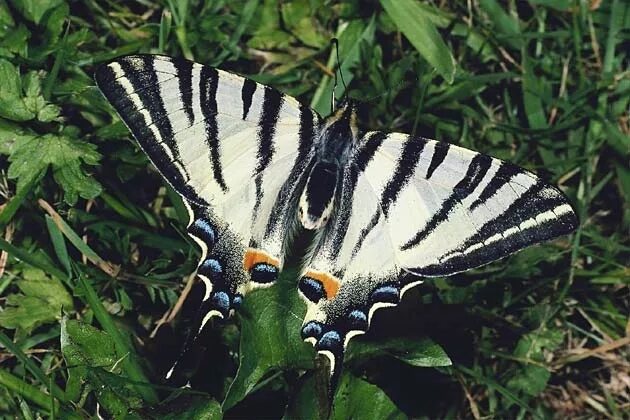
(415, 24)
(358, 399)
(84, 345)
(34, 10)
(354, 399)
(21, 97)
(12, 104)
(34, 155)
(270, 336)
(531, 378)
(268, 35)
(421, 353)
(94, 363)
(40, 302)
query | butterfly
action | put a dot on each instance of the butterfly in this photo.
(253, 164)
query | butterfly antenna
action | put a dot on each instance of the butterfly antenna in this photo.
(335, 42)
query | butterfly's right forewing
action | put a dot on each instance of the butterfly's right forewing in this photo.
(415, 208)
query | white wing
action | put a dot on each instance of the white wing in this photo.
(236, 151)
(414, 208)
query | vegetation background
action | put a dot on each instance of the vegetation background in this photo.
(95, 255)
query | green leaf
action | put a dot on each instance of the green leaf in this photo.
(270, 336)
(93, 362)
(40, 302)
(192, 407)
(530, 378)
(34, 10)
(354, 399)
(268, 34)
(300, 19)
(84, 345)
(12, 104)
(21, 98)
(421, 353)
(124, 347)
(33, 155)
(415, 24)
(351, 401)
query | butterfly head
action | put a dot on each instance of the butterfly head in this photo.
(342, 122)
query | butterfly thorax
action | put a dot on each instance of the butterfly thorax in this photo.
(337, 138)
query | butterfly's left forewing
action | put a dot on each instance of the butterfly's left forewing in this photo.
(236, 152)
(413, 208)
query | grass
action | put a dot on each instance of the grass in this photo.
(94, 254)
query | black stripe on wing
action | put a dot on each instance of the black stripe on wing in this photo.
(439, 153)
(357, 166)
(477, 169)
(519, 226)
(503, 175)
(306, 138)
(209, 83)
(247, 93)
(272, 102)
(405, 167)
(184, 73)
(110, 78)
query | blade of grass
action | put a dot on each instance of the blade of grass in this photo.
(413, 22)
(123, 346)
(16, 201)
(28, 258)
(499, 388)
(31, 367)
(76, 240)
(28, 391)
(59, 245)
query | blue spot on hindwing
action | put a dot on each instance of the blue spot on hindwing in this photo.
(357, 320)
(204, 230)
(221, 302)
(386, 294)
(312, 329)
(237, 301)
(212, 265)
(312, 289)
(330, 341)
(264, 273)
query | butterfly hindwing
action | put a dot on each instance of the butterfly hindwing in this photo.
(414, 208)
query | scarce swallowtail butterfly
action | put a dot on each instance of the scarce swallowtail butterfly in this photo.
(391, 209)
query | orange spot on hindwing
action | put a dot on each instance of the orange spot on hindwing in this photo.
(262, 267)
(255, 256)
(329, 282)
